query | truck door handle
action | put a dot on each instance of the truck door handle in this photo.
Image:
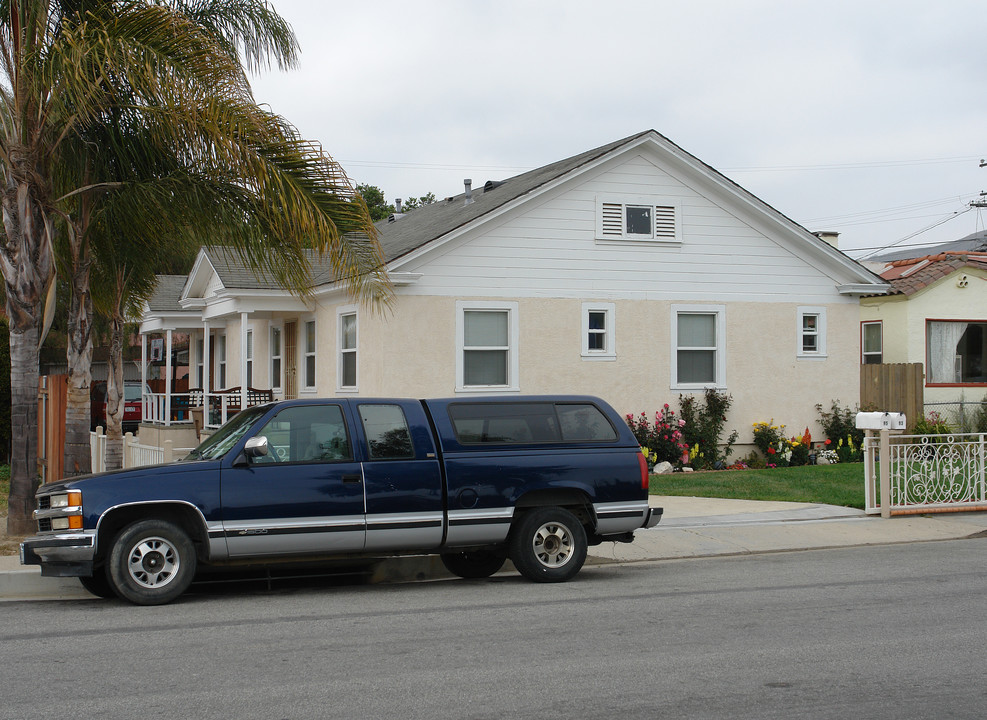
(355, 478)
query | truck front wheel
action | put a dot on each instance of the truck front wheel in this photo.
(152, 562)
(476, 564)
(548, 545)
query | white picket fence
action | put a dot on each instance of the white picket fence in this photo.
(134, 454)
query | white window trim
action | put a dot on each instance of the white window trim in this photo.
(820, 352)
(607, 235)
(610, 351)
(340, 313)
(720, 382)
(199, 361)
(513, 364)
(276, 382)
(306, 388)
(863, 353)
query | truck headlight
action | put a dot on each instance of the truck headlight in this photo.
(73, 498)
(73, 522)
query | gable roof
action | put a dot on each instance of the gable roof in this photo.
(909, 276)
(424, 225)
(167, 293)
(430, 222)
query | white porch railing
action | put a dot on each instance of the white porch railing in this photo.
(181, 408)
(924, 474)
(134, 454)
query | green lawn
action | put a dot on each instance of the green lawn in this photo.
(841, 484)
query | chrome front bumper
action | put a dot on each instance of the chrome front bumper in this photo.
(61, 554)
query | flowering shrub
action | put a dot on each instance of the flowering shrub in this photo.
(830, 456)
(934, 424)
(663, 441)
(704, 421)
(849, 451)
(768, 437)
(800, 449)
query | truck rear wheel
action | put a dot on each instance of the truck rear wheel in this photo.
(548, 545)
(475, 564)
(152, 562)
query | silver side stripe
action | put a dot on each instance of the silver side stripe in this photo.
(610, 511)
(485, 516)
(403, 521)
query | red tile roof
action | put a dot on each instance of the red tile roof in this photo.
(909, 276)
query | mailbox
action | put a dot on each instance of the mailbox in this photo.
(880, 421)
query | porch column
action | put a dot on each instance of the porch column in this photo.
(144, 399)
(243, 361)
(168, 379)
(206, 364)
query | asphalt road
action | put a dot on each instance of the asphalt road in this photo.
(876, 632)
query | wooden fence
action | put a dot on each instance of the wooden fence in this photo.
(53, 392)
(893, 387)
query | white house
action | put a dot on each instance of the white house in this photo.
(934, 314)
(633, 271)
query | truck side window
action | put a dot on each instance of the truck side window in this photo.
(387, 432)
(584, 423)
(307, 433)
(504, 423)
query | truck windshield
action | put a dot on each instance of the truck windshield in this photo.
(220, 442)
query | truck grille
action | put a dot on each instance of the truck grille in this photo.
(44, 525)
(44, 502)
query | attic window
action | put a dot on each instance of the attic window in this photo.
(638, 219)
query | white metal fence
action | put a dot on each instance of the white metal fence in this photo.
(910, 474)
(134, 454)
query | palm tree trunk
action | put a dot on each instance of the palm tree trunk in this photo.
(26, 262)
(24, 420)
(114, 392)
(79, 355)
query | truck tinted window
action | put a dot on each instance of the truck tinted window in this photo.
(584, 423)
(387, 432)
(307, 433)
(529, 423)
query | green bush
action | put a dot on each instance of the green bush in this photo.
(704, 428)
(933, 424)
(839, 424)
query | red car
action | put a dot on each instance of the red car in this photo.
(131, 404)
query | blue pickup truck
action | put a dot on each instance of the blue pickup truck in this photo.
(477, 481)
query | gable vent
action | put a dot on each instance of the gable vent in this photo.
(665, 222)
(613, 219)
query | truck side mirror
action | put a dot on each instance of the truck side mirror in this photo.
(256, 447)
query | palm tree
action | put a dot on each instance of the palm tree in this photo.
(171, 70)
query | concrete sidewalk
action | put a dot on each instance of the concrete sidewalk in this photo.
(690, 528)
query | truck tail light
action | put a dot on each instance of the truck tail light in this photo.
(644, 470)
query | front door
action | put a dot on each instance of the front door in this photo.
(305, 496)
(290, 360)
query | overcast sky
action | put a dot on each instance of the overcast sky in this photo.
(864, 117)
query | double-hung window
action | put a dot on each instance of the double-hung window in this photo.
(275, 357)
(310, 355)
(629, 218)
(199, 355)
(956, 352)
(871, 343)
(598, 331)
(221, 360)
(347, 349)
(486, 343)
(699, 340)
(811, 332)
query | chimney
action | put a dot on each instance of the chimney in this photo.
(397, 205)
(469, 190)
(829, 236)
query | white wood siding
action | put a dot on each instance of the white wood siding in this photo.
(550, 250)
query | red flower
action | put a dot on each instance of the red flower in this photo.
(828, 441)
(771, 451)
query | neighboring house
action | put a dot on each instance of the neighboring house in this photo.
(633, 271)
(934, 314)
